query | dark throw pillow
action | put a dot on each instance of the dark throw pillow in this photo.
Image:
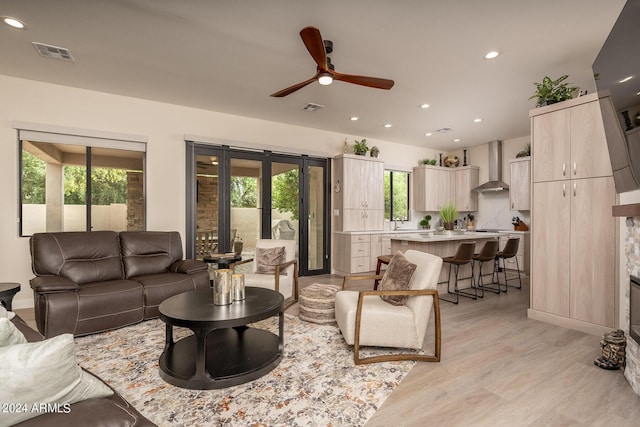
(397, 277)
(267, 259)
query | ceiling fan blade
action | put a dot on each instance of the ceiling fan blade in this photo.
(291, 89)
(374, 82)
(315, 45)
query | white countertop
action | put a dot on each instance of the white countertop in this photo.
(403, 231)
(446, 237)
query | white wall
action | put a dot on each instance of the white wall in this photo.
(165, 126)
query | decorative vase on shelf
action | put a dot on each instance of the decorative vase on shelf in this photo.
(375, 151)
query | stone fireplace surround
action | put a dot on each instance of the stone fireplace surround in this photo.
(631, 234)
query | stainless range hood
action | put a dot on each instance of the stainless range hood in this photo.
(495, 182)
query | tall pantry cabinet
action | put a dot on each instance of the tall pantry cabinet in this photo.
(573, 232)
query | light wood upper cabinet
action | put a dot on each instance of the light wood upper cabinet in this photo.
(570, 143)
(434, 187)
(520, 186)
(358, 193)
(466, 179)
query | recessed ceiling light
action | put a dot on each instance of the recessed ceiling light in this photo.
(492, 54)
(478, 120)
(423, 106)
(353, 119)
(456, 140)
(388, 125)
(13, 22)
(626, 79)
(428, 134)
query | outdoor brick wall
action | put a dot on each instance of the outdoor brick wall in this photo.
(207, 206)
(135, 201)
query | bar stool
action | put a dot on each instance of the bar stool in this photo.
(382, 259)
(463, 256)
(510, 250)
(487, 253)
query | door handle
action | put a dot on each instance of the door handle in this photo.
(575, 184)
(564, 169)
(574, 168)
(564, 190)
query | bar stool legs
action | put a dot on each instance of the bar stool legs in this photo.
(463, 256)
(510, 250)
(487, 254)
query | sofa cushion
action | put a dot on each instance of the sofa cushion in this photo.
(159, 287)
(397, 277)
(149, 252)
(9, 334)
(45, 372)
(82, 257)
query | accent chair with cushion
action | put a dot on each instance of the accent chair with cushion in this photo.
(366, 319)
(274, 267)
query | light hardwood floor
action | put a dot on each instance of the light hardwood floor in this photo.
(499, 368)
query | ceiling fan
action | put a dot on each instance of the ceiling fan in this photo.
(325, 73)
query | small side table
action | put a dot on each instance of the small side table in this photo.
(7, 292)
(223, 260)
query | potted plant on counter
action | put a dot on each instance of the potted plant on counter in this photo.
(448, 214)
(426, 222)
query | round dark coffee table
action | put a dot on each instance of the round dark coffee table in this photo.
(223, 351)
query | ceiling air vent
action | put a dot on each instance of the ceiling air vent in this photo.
(54, 52)
(312, 107)
(443, 130)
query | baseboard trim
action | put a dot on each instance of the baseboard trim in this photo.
(565, 322)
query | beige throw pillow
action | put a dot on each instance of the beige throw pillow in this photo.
(41, 373)
(397, 277)
(267, 259)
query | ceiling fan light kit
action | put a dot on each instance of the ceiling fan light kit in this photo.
(326, 74)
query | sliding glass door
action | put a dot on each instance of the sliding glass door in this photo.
(236, 195)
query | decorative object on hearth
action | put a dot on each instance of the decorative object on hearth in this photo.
(325, 71)
(551, 91)
(451, 161)
(614, 344)
(292, 394)
(448, 214)
(360, 147)
(222, 287)
(374, 152)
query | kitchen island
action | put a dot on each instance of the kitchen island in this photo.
(443, 244)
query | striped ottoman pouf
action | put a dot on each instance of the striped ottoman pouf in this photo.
(318, 302)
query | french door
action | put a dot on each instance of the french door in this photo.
(237, 195)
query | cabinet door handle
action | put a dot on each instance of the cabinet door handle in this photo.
(574, 168)
(512, 204)
(564, 190)
(564, 169)
(574, 188)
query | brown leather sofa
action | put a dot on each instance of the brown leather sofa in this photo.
(107, 411)
(89, 282)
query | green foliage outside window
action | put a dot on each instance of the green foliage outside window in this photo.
(285, 192)
(396, 196)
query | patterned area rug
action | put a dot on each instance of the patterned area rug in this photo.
(316, 383)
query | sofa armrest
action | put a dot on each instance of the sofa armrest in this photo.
(49, 284)
(187, 266)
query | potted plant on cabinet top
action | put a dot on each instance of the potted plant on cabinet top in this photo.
(360, 147)
(426, 222)
(552, 91)
(448, 214)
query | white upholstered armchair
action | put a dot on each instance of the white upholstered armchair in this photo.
(365, 319)
(274, 267)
